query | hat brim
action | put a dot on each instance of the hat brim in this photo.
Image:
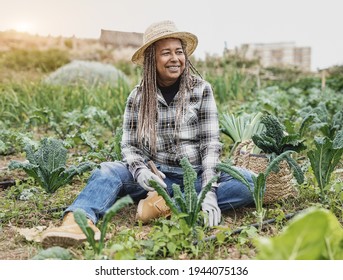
(190, 39)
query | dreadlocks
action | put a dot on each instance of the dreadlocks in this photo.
(147, 115)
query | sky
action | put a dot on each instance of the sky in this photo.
(217, 23)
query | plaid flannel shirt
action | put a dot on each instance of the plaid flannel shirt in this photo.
(198, 135)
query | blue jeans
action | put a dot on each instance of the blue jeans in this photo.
(114, 180)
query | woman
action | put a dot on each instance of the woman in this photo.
(172, 114)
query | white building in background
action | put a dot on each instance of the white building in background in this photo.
(278, 54)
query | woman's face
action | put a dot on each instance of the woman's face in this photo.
(170, 61)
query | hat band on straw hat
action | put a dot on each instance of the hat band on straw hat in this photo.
(163, 30)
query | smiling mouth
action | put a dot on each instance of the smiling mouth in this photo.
(173, 68)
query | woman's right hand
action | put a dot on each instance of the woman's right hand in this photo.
(145, 175)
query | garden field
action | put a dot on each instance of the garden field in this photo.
(55, 111)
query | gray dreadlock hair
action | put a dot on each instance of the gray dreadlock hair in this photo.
(147, 115)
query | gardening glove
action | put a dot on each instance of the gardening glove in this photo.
(210, 206)
(145, 175)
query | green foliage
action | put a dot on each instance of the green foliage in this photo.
(272, 100)
(88, 127)
(126, 246)
(81, 220)
(314, 234)
(325, 122)
(53, 253)
(241, 128)
(335, 78)
(187, 205)
(228, 77)
(34, 108)
(68, 43)
(231, 84)
(47, 165)
(167, 238)
(11, 141)
(44, 61)
(170, 238)
(76, 122)
(42, 104)
(304, 124)
(259, 181)
(110, 151)
(274, 141)
(324, 159)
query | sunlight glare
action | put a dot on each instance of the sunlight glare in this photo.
(24, 27)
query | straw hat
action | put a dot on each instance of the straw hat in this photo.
(162, 30)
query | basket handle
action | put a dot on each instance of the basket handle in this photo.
(237, 151)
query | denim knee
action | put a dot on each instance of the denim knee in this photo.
(232, 193)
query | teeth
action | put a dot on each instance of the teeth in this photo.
(173, 67)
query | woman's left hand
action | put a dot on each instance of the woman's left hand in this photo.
(210, 206)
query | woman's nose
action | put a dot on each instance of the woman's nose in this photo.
(174, 57)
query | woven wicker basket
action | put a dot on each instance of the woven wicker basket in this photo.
(279, 185)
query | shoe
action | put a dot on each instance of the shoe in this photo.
(68, 234)
(152, 207)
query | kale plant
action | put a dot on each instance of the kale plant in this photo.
(187, 205)
(47, 164)
(53, 253)
(325, 157)
(327, 123)
(81, 220)
(274, 141)
(259, 182)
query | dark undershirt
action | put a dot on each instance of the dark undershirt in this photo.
(170, 91)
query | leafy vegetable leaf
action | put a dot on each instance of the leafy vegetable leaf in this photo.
(47, 164)
(325, 158)
(311, 235)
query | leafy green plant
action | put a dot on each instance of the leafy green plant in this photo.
(324, 159)
(110, 151)
(241, 128)
(167, 238)
(81, 220)
(11, 141)
(47, 164)
(81, 121)
(53, 253)
(311, 235)
(259, 182)
(328, 123)
(126, 246)
(173, 237)
(19, 101)
(230, 83)
(188, 205)
(274, 141)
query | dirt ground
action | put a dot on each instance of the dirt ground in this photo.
(14, 246)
